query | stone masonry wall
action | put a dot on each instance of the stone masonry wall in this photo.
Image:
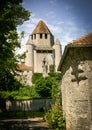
(77, 88)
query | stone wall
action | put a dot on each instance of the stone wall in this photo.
(39, 61)
(25, 77)
(29, 105)
(77, 88)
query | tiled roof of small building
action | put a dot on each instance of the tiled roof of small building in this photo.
(24, 67)
(41, 28)
(84, 40)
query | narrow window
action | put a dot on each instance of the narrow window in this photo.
(40, 36)
(45, 36)
(34, 36)
(31, 37)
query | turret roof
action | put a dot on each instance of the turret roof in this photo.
(41, 28)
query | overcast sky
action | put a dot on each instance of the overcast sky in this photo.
(66, 19)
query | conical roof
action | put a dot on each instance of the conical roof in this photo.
(41, 28)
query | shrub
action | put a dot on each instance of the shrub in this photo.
(55, 117)
(35, 77)
(56, 75)
(43, 87)
(25, 92)
(52, 68)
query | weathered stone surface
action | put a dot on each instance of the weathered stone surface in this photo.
(76, 88)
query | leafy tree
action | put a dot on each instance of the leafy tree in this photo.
(21, 57)
(12, 14)
(44, 86)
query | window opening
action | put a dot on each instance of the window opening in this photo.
(45, 36)
(40, 36)
(34, 36)
(31, 37)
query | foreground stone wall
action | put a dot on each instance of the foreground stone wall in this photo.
(77, 88)
(29, 105)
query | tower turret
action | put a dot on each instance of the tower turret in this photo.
(58, 53)
(29, 54)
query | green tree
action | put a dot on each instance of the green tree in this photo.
(44, 86)
(35, 77)
(12, 14)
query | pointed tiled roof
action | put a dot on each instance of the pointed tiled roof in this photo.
(84, 40)
(41, 28)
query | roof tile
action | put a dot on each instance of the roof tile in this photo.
(24, 67)
(84, 40)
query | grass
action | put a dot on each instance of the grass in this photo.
(5, 115)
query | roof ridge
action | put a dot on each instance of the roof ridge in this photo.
(86, 39)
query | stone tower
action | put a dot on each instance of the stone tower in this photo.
(41, 50)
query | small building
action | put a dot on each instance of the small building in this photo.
(76, 84)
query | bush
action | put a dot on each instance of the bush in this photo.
(56, 75)
(55, 117)
(23, 93)
(44, 86)
(35, 77)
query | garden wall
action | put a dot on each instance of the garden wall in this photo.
(29, 105)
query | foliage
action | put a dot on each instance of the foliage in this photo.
(56, 75)
(35, 77)
(12, 14)
(21, 57)
(55, 117)
(52, 69)
(10, 83)
(25, 92)
(44, 86)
